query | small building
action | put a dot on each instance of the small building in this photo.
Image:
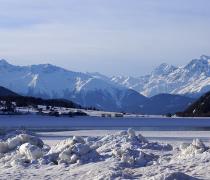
(118, 115)
(106, 115)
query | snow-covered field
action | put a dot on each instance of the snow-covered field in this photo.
(105, 154)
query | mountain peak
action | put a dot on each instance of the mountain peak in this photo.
(201, 64)
(3, 62)
(49, 68)
(164, 69)
(205, 57)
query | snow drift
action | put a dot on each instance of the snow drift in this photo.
(114, 156)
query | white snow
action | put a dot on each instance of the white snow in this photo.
(192, 78)
(189, 150)
(103, 155)
(30, 151)
(40, 80)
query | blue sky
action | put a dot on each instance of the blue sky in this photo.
(123, 37)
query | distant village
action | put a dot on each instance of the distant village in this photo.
(11, 108)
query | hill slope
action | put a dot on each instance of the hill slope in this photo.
(6, 92)
(10, 96)
(166, 103)
(201, 108)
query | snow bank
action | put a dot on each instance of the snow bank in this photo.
(31, 139)
(132, 157)
(17, 140)
(129, 148)
(30, 151)
(109, 142)
(125, 147)
(70, 151)
(20, 149)
(124, 155)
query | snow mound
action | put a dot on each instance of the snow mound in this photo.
(110, 142)
(17, 140)
(131, 157)
(71, 151)
(190, 150)
(20, 149)
(129, 148)
(62, 145)
(31, 139)
(31, 152)
(173, 176)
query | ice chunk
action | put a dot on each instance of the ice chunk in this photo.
(14, 142)
(189, 150)
(62, 145)
(78, 139)
(65, 155)
(30, 151)
(184, 146)
(3, 147)
(71, 151)
(123, 133)
(81, 149)
(198, 143)
(142, 139)
(132, 157)
(131, 133)
(74, 158)
(31, 139)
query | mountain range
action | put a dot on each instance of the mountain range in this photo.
(192, 79)
(162, 91)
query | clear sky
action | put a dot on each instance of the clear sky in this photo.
(119, 37)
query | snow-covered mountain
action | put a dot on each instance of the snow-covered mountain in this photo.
(87, 89)
(94, 89)
(192, 79)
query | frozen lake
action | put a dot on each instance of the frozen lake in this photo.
(77, 123)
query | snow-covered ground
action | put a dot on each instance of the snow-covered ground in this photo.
(105, 154)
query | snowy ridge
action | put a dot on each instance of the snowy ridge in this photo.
(192, 79)
(48, 81)
(97, 90)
